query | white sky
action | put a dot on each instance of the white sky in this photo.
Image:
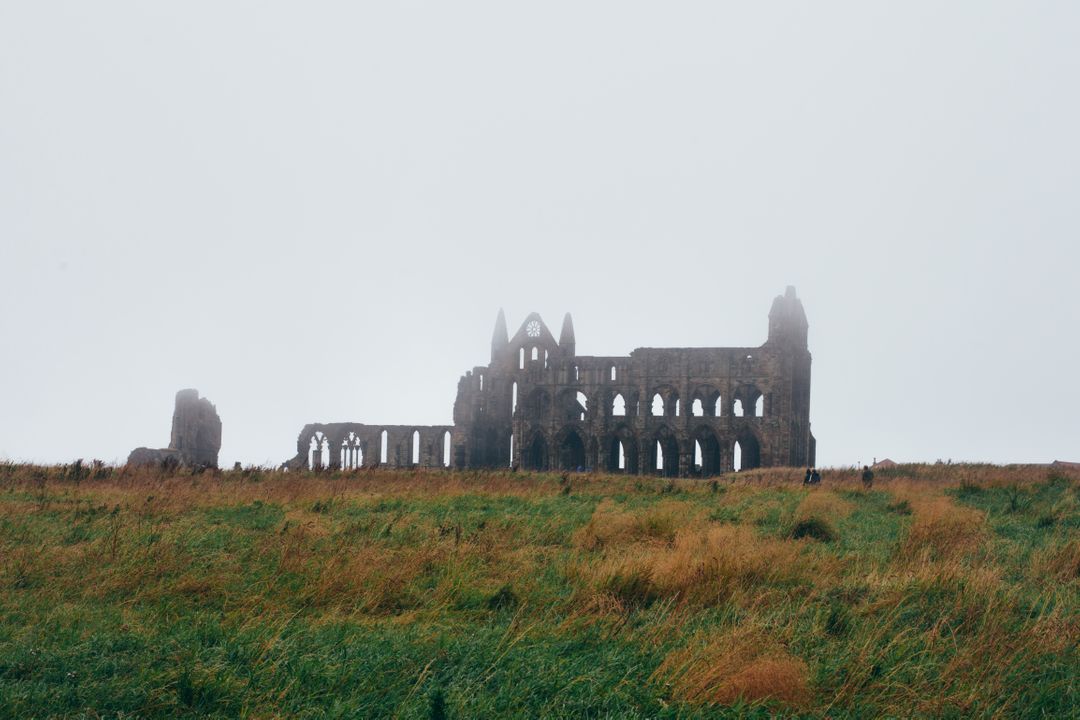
(313, 211)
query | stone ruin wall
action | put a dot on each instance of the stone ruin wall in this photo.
(540, 406)
(195, 439)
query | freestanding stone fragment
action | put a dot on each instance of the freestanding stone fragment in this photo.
(195, 439)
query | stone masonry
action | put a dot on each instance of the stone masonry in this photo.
(539, 406)
(195, 439)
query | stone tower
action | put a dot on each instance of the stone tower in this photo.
(195, 439)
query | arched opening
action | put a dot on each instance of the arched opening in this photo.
(511, 464)
(583, 405)
(446, 449)
(383, 445)
(535, 354)
(521, 359)
(657, 409)
(614, 374)
(748, 401)
(513, 398)
(571, 451)
(747, 452)
(577, 373)
(704, 402)
(545, 358)
(618, 406)
(536, 455)
(621, 455)
(665, 454)
(319, 452)
(481, 382)
(675, 413)
(415, 447)
(706, 452)
(352, 455)
(716, 404)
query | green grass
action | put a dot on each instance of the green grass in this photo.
(942, 592)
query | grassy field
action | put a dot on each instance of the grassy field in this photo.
(945, 591)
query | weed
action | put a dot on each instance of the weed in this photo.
(815, 528)
(504, 598)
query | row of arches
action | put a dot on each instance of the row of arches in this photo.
(353, 451)
(702, 454)
(573, 404)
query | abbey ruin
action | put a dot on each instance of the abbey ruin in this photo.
(538, 406)
(195, 439)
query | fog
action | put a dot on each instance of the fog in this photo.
(312, 212)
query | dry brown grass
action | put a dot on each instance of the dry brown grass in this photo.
(824, 504)
(740, 664)
(1057, 563)
(611, 526)
(941, 529)
(703, 566)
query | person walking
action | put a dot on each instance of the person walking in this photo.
(815, 477)
(809, 475)
(867, 477)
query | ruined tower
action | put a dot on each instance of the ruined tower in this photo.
(195, 439)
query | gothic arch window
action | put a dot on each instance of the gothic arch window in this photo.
(618, 405)
(657, 408)
(614, 374)
(697, 409)
(747, 452)
(415, 456)
(319, 451)
(384, 445)
(747, 402)
(446, 449)
(352, 455)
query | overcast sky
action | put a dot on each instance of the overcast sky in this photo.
(313, 211)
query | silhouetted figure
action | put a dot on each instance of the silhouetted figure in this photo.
(867, 477)
(809, 476)
(815, 477)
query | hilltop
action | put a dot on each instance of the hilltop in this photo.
(942, 591)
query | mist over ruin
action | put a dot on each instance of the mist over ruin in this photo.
(681, 412)
(295, 216)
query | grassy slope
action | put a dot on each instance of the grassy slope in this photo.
(946, 591)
